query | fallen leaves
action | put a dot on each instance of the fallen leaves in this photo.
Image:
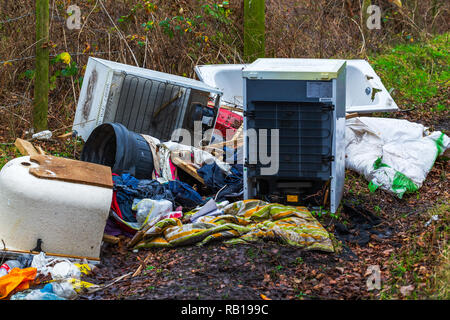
(406, 290)
(229, 272)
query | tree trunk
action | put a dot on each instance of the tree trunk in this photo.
(254, 29)
(41, 84)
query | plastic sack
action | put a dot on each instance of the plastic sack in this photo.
(40, 262)
(85, 268)
(17, 279)
(79, 285)
(148, 210)
(58, 268)
(46, 293)
(209, 209)
(43, 135)
(64, 270)
(64, 289)
(36, 295)
(394, 155)
(43, 264)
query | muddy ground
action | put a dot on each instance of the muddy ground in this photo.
(273, 271)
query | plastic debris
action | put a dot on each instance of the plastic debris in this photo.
(46, 293)
(16, 280)
(43, 135)
(64, 270)
(394, 155)
(433, 218)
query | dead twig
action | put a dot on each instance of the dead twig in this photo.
(119, 33)
(142, 265)
(102, 287)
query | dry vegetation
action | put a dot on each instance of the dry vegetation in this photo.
(174, 36)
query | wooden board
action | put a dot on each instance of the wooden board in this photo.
(14, 254)
(40, 150)
(354, 115)
(110, 239)
(71, 171)
(25, 147)
(186, 166)
(231, 144)
(65, 135)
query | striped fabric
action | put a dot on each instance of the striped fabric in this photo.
(243, 221)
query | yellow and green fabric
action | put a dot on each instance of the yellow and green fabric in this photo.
(243, 221)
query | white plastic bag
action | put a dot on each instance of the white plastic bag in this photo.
(64, 270)
(43, 135)
(148, 210)
(392, 154)
(64, 289)
(44, 265)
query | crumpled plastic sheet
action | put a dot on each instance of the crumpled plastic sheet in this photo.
(16, 280)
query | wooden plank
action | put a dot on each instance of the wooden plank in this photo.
(235, 109)
(72, 171)
(65, 135)
(25, 147)
(40, 150)
(137, 237)
(111, 239)
(351, 115)
(186, 166)
(239, 133)
(15, 253)
(231, 143)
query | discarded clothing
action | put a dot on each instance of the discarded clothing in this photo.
(167, 170)
(242, 222)
(184, 194)
(114, 229)
(128, 191)
(394, 155)
(221, 182)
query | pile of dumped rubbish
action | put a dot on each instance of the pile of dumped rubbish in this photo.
(159, 211)
(166, 211)
(153, 191)
(393, 155)
(38, 277)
